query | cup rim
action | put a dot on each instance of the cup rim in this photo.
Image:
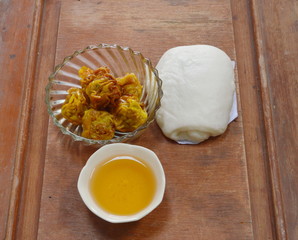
(107, 152)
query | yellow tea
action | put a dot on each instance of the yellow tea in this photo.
(123, 185)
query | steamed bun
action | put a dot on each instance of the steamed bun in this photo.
(198, 87)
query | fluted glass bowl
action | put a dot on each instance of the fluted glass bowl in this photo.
(120, 60)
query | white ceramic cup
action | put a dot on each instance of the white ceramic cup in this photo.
(108, 152)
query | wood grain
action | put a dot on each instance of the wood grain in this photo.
(207, 192)
(241, 185)
(277, 37)
(28, 214)
(253, 122)
(17, 45)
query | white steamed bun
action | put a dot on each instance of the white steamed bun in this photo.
(198, 87)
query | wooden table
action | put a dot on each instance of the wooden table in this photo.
(241, 185)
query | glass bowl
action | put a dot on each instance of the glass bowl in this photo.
(120, 60)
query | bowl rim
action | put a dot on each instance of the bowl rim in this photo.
(126, 135)
(99, 157)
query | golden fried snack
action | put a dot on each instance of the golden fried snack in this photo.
(102, 72)
(129, 114)
(87, 75)
(130, 85)
(74, 106)
(105, 104)
(103, 93)
(98, 125)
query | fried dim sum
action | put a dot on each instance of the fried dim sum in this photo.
(74, 106)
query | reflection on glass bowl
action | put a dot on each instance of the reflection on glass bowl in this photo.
(120, 60)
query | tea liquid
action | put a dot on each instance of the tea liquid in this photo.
(123, 185)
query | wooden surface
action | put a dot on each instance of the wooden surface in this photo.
(277, 26)
(241, 185)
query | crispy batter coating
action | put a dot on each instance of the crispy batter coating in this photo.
(98, 125)
(129, 114)
(102, 71)
(130, 85)
(87, 75)
(105, 104)
(103, 93)
(74, 106)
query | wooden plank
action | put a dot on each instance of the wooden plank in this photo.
(262, 158)
(17, 45)
(276, 31)
(207, 192)
(253, 122)
(28, 214)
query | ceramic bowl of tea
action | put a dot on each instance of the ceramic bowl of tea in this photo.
(122, 182)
